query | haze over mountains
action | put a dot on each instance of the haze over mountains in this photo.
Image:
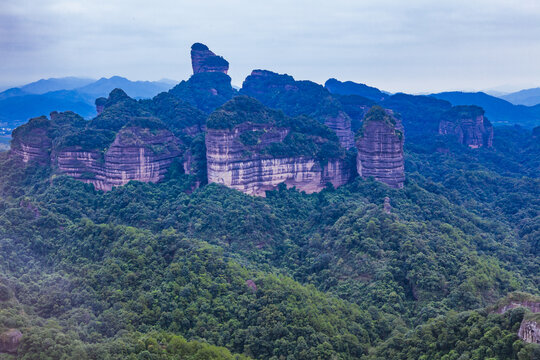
(17, 105)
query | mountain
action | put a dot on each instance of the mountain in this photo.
(135, 235)
(15, 110)
(352, 88)
(17, 105)
(135, 89)
(498, 111)
(54, 84)
(527, 97)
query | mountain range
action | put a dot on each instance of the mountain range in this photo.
(19, 104)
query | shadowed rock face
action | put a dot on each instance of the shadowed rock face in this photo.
(136, 154)
(380, 148)
(10, 341)
(469, 126)
(237, 155)
(204, 60)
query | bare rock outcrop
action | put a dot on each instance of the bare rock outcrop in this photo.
(282, 91)
(31, 141)
(10, 341)
(246, 147)
(529, 330)
(469, 125)
(204, 60)
(380, 148)
(137, 153)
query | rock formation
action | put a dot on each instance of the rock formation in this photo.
(137, 153)
(31, 141)
(204, 60)
(529, 331)
(10, 341)
(468, 125)
(281, 91)
(380, 148)
(251, 148)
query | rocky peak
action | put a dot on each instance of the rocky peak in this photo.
(31, 141)
(468, 125)
(204, 60)
(380, 148)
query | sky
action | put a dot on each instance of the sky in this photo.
(415, 46)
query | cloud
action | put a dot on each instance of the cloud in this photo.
(414, 46)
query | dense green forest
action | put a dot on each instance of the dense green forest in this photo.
(157, 271)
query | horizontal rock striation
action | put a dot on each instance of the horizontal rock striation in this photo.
(468, 125)
(239, 152)
(137, 154)
(230, 164)
(204, 60)
(31, 141)
(380, 148)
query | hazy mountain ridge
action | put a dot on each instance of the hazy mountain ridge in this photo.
(17, 105)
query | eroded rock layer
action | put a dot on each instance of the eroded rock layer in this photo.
(231, 165)
(529, 331)
(468, 125)
(204, 60)
(31, 141)
(250, 148)
(380, 148)
(136, 154)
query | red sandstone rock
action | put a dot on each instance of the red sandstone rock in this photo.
(204, 60)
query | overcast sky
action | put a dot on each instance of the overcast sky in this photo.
(395, 45)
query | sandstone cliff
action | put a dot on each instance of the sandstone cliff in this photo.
(10, 341)
(281, 91)
(529, 331)
(204, 60)
(253, 149)
(468, 125)
(380, 148)
(31, 141)
(137, 153)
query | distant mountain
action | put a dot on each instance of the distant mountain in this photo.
(352, 88)
(17, 105)
(529, 97)
(135, 89)
(54, 84)
(18, 109)
(499, 111)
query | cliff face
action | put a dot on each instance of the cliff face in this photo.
(529, 331)
(240, 155)
(380, 148)
(31, 141)
(204, 60)
(10, 341)
(136, 154)
(469, 126)
(281, 91)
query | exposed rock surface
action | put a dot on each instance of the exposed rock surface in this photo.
(281, 91)
(204, 60)
(31, 141)
(238, 156)
(469, 126)
(10, 341)
(533, 306)
(136, 154)
(529, 331)
(380, 148)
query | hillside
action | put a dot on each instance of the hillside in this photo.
(499, 111)
(206, 223)
(528, 97)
